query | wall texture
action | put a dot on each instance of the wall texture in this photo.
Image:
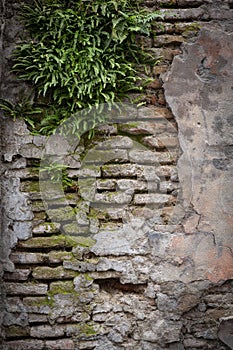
(138, 253)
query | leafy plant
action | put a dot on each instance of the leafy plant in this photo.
(23, 109)
(57, 172)
(81, 54)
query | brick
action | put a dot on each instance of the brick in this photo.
(128, 184)
(47, 227)
(51, 273)
(16, 331)
(158, 199)
(148, 128)
(167, 186)
(96, 156)
(60, 344)
(37, 305)
(35, 318)
(17, 275)
(121, 170)
(26, 288)
(44, 242)
(161, 142)
(168, 39)
(31, 151)
(185, 14)
(151, 157)
(58, 256)
(28, 258)
(106, 184)
(89, 170)
(61, 214)
(30, 344)
(47, 331)
(115, 142)
(112, 198)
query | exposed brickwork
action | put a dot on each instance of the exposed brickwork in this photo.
(124, 292)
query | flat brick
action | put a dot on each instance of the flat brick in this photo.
(51, 273)
(47, 227)
(24, 345)
(17, 275)
(47, 331)
(44, 242)
(28, 258)
(97, 156)
(151, 157)
(150, 198)
(112, 198)
(115, 142)
(61, 344)
(26, 288)
(16, 331)
(185, 14)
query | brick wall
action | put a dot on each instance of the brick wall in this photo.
(113, 262)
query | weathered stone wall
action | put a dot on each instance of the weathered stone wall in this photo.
(151, 266)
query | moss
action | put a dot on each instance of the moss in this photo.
(88, 329)
(191, 29)
(66, 287)
(87, 277)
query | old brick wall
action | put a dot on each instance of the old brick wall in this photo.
(151, 264)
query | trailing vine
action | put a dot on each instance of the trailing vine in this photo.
(78, 54)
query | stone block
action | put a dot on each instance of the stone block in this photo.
(112, 198)
(151, 157)
(31, 151)
(16, 331)
(147, 127)
(59, 256)
(161, 142)
(61, 214)
(106, 184)
(45, 242)
(37, 318)
(116, 142)
(28, 258)
(46, 227)
(27, 344)
(26, 288)
(152, 198)
(52, 273)
(17, 275)
(47, 331)
(96, 156)
(121, 170)
(60, 344)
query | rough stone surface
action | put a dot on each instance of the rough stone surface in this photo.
(140, 254)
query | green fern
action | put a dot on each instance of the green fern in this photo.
(81, 54)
